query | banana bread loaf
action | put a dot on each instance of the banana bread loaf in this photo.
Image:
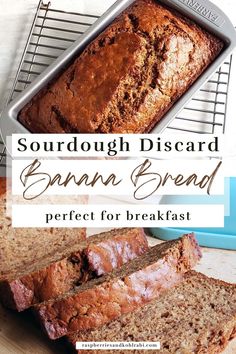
(101, 300)
(60, 273)
(22, 247)
(127, 78)
(196, 317)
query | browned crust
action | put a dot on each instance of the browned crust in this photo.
(228, 333)
(2, 185)
(122, 292)
(145, 44)
(96, 256)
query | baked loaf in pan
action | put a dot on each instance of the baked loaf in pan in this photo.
(22, 248)
(101, 300)
(196, 317)
(60, 273)
(128, 77)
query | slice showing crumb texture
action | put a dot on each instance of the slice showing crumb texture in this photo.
(55, 275)
(23, 247)
(101, 300)
(196, 317)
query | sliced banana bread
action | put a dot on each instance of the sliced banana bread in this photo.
(101, 300)
(60, 273)
(196, 317)
(22, 247)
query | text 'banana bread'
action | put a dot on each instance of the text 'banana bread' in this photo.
(127, 78)
(101, 300)
(62, 272)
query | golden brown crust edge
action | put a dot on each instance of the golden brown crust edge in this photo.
(90, 261)
(163, 267)
(3, 185)
(209, 43)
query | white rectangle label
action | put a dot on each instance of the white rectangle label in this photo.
(117, 145)
(138, 178)
(118, 215)
(118, 346)
(47, 168)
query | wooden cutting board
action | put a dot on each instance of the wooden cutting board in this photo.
(20, 334)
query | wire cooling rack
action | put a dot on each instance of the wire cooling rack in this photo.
(54, 30)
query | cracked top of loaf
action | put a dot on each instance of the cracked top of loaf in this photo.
(128, 77)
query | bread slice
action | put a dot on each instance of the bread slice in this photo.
(22, 247)
(196, 317)
(134, 284)
(60, 273)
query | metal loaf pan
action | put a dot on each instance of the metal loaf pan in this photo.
(203, 12)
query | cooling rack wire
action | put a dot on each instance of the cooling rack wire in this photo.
(54, 30)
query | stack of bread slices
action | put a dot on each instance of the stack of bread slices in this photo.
(113, 287)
